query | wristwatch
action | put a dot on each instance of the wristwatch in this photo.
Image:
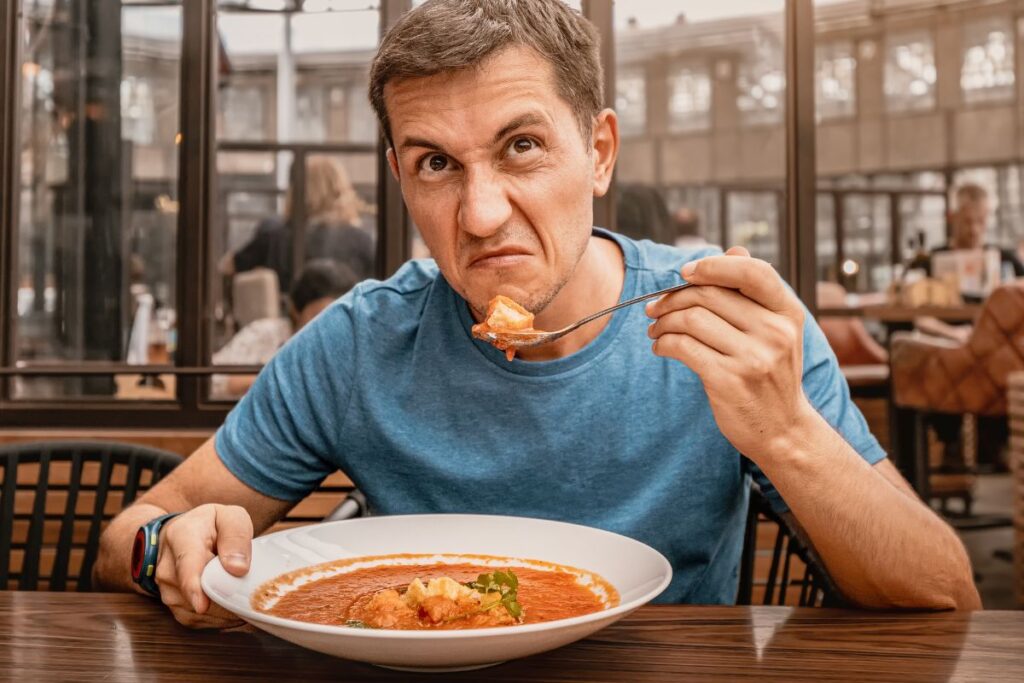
(145, 550)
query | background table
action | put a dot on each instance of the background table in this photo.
(105, 637)
(893, 315)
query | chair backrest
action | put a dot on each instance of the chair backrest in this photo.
(794, 575)
(256, 294)
(55, 499)
(947, 377)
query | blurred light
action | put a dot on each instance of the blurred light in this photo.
(850, 267)
(177, 139)
(164, 204)
(30, 69)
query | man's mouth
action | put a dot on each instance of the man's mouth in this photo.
(506, 256)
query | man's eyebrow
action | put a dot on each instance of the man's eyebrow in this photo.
(409, 143)
(529, 119)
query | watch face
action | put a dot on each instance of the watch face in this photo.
(138, 553)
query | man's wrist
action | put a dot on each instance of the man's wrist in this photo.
(793, 442)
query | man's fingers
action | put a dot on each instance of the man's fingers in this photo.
(695, 355)
(737, 251)
(731, 306)
(754, 278)
(704, 326)
(234, 538)
(189, 564)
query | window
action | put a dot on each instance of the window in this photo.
(242, 113)
(867, 250)
(631, 102)
(835, 78)
(755, 222)
(703, 149)
(97, 195)
(826, 234)
(689, 99)
(297, 167)
(761, 87)
(987, 73)
(761, 77)
(910, 72)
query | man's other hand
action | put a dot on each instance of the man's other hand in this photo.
(187, 543)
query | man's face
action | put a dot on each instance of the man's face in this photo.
(496, 175)
(969, 224)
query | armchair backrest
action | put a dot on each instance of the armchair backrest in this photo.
(964, 378)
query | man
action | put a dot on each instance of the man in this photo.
(631, 424)
(969, 222)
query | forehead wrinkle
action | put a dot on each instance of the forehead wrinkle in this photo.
(442, 105)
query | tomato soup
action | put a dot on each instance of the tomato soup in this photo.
(381, 595)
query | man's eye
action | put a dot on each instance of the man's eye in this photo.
(437, 162)
(522, 146)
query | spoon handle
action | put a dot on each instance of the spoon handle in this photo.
(630, 302)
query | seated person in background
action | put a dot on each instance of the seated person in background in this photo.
(320, 282)
(334, 228)
(640, 213)
(650, 423)
(968, 221)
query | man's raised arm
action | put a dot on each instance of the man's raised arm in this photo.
(741, 331)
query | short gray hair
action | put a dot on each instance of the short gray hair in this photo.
(448, 35)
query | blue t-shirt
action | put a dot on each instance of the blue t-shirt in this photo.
(388, 386)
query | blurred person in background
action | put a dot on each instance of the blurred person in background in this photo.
(334, 228)
(319, 283)
(640, 213)
(968, 223)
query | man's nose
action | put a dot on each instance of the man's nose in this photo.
(485, 206)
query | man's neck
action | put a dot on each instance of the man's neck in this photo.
(596, 284)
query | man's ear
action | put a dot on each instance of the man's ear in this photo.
(393, 163)
(605, 142)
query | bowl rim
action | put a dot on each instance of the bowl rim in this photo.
(253, 615)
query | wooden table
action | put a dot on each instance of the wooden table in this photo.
(117, 637)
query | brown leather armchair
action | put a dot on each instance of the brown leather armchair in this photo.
(941, 377)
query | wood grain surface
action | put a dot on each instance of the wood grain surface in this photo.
(105, 637)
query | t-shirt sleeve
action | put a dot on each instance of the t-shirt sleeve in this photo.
(281, 439)
(828, 392)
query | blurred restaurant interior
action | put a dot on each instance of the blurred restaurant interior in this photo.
(152, 151)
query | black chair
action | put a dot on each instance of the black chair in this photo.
(816, 588)
(55, 498)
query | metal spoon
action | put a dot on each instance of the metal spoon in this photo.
(527, 339)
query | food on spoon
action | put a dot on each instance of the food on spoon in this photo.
(504, 316)
(434, 595)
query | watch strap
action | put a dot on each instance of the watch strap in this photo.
(146, 550)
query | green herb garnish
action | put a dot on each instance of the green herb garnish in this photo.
(355, 623)
(506, 585)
